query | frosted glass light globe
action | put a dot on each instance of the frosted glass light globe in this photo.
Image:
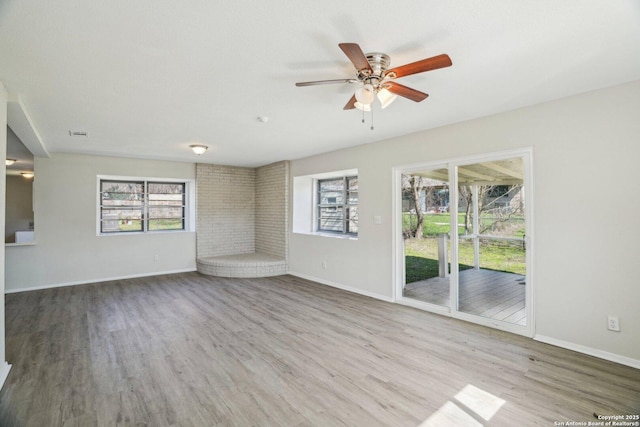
(365, 95)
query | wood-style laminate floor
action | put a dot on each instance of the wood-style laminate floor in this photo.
(193, 350)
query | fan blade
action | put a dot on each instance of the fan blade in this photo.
(428, 64)
(351, 104)
(407, 92)
(356, 56)
(326, 82)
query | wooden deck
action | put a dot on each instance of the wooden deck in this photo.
(485, 293)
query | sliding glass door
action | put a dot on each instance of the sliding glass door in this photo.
(491, 240)
(478, 271)
(426, 225)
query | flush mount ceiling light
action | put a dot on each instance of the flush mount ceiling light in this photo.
(198, 148)
(27, 174)
(9, 162)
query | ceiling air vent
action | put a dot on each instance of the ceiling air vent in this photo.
(78, 133)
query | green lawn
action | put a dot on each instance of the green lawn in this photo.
(160, 224)
(421, 257)
(435, 224)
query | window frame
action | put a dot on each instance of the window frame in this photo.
(149, 205)
(187, 206)
(345, 206)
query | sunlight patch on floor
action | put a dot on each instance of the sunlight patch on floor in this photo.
(471, 407)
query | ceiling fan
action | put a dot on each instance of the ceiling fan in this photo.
(372, 70)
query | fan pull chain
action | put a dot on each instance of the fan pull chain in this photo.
(371, 116)
(363, 116)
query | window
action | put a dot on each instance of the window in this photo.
(337, 207)
(141, 206)
(326, 204)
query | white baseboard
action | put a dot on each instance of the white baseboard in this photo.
(612, 357)
(341, 286)
(4, 373)
(104, 279)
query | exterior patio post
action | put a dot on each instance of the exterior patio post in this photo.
(476, 228)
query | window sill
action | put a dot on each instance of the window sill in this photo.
(326, 234)
(142, 233)
(10, 245)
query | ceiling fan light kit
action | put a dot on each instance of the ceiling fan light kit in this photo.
(386, 98)
(372, 70)
(365, 94)
(362, 107)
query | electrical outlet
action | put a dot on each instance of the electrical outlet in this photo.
(324, 265)
(156, 258)
(613, 324)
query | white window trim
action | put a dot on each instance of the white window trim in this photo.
(305, 213)
(189, 203)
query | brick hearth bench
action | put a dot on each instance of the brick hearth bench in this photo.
(242, 265)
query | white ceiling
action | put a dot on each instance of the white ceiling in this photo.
(146, 78)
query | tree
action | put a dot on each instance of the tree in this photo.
(467, 195)
(415, 186)
(487, 197)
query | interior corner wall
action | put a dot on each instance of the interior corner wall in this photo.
(225, 210)
(272, 213)
(68, 250)
(585, 181)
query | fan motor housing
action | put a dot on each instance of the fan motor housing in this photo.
(379, 63)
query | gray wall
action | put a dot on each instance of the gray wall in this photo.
(68, 249)
(585, 148)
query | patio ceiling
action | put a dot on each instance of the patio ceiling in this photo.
(498, 172)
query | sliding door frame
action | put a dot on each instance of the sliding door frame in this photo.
(398, 268)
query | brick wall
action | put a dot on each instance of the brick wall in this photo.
(242, 210)
(272, 213)
(225, 210)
